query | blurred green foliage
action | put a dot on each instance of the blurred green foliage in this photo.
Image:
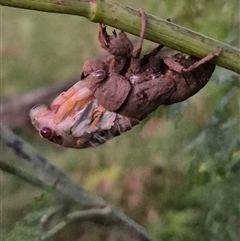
(178, 172)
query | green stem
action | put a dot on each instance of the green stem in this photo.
(127, 19)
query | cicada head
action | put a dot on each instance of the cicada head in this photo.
(42, 117)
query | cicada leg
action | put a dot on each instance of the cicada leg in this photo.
(103, 36)
(79, 99)
(96, 119)
(78, 95)
(207, 58)
(64, 96)
(138, 48)
(117, 45)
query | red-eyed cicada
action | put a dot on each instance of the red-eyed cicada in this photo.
(112, 96)
(75, 118)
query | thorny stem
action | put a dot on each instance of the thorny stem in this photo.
(127, 19)
(22, 160)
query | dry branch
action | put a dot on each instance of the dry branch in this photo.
(22, 160)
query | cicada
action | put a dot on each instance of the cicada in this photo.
(114, 95)
(76, 119)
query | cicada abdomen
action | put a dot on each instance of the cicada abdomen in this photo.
(95, 125)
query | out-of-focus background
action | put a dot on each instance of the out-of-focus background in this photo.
(178, 173)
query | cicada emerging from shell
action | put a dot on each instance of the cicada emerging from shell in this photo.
(112, 96)
(75, 118)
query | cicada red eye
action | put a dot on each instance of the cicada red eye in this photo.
(46, 132)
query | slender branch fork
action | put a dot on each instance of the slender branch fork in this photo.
(22, 160)
(127, 19)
